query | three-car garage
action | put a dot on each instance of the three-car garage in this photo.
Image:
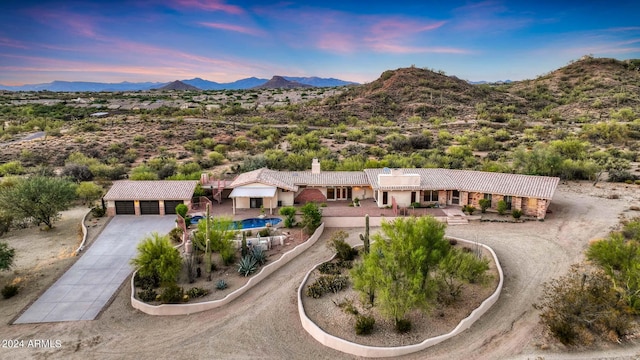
(129, 197)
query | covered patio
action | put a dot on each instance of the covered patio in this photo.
(254, 197)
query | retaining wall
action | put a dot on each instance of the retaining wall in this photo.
(185, 309)
(373, 351)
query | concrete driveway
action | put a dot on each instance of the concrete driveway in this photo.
(82, 292)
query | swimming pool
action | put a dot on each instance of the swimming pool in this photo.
(251, 223)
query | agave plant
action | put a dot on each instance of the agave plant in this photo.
(259, 255)
(247, 265)
(221, 284)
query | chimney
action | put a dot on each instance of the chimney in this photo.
(315, 166)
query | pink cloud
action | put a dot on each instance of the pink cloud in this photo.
(337, 42)
(235, 28)
(210, 5)
(6, 42)
(401, 49)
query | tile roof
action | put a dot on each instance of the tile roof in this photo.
(290, 180)
(151, 190)
(541, 187)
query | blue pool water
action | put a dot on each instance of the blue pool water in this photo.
(246, 223)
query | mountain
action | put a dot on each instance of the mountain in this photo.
(248, 83)
(80, 86)
(279, 82)
(178, 85)
(320, 82)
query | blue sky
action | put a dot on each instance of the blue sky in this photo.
(227, 40)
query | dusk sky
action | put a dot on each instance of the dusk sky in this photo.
(227, 40)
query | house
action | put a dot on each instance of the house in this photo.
(268, 189)
(150, 197)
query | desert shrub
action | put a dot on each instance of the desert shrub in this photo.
(583, 305)
(311, 217)
(5, 224)
(516, 213)
(620, 176)
(9, 291)
(97, 211)
(247, 265)
(172, 294)
(347, 306)
(329, 268)
(326, 284)
(228, 255)
(182, 209)
(501, 207)
(631, 229)
(403, 326)
(221, 284)
(343, 250)
(196, 292)
(484, 205)
(176, 235)
(364, 324)
(77, 172)
(264, 233)
(11, 168)
(146, 282)
(469, 209)
(147, 295)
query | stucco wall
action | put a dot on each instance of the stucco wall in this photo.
(373, 351)
(185, 309)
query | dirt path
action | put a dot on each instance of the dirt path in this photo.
(264, 323)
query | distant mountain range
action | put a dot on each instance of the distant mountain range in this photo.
(248, 83)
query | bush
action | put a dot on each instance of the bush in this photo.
(469, 209)
(147, 295)
(97, 211)
(327, 284)
(364, 324)
(221, 284)
(172, 294)
(501, 207)
(516, 213)
(311, 217)
(176, 235)
(484, 205)
(329, 268)
(403, 326)
(196, 292)
(343, 250)
(182, 209)
(9, 291)
(146, 282)
(228, 255)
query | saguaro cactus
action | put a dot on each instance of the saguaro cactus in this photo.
(365, 237)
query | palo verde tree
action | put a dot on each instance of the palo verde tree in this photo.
(157, 258)
(397, 272)
(311, 217)
(38, 197)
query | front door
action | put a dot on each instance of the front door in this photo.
(455, 197)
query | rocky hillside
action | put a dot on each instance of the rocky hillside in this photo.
(586, 89)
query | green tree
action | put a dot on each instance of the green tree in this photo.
(158, 258)
(397, 270)
(38, 197)
(311, 217)
(215, 235)
(6, 256)
(89, 191)
(460, 267)
(182, 210)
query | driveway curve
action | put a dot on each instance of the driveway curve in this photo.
(86, 288)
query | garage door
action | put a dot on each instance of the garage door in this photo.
(150, 207)
(170, 206)
(125, 208)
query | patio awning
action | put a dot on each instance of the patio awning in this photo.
(254, 192)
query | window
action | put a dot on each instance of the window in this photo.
(430, 196)
(488, 197)
(507, 199)
(385, 198)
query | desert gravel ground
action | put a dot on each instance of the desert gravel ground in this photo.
(263, 324)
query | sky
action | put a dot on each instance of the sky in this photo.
(228, 40)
